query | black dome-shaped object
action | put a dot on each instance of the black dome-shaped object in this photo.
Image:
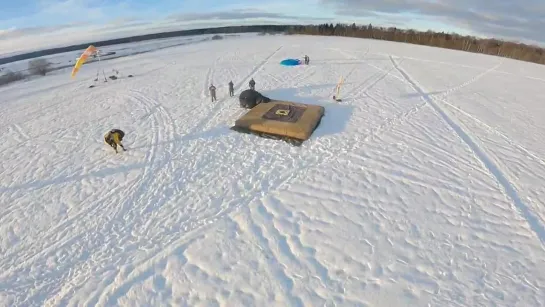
(250, 98)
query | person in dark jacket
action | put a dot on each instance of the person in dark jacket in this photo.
(252, 84)
(114, 138)
(212, 90)
(231, 89)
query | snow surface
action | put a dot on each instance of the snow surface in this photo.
(424, 187)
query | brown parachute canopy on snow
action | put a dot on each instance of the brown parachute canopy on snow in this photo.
(289, 121)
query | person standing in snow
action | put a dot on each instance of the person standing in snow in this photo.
(307, 60)
(231, 89)
(252, 84)
(212, 90)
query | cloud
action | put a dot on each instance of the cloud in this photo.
(46, 13)
(243, 14)
(59, 23)
(36, 38)
(7, 32)
(70, 8)
(521, 19)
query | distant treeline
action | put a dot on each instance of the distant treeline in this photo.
(139, 38)
(455, 41)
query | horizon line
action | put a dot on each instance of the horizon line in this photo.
(179, 33)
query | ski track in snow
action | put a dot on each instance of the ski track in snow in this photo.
(535, 224)
(495, 131)
(126, 196)
(219, 104)
(256, 194)
(384, 205)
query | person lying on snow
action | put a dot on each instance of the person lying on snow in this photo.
(114, 138)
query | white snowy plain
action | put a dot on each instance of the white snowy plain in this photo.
(425, 186)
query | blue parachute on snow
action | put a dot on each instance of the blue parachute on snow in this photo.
(290, 62)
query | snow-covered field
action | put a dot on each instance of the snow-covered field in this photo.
(424, 187)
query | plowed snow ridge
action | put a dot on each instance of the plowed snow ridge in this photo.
(423, 187)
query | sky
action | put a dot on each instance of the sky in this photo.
(27, 25)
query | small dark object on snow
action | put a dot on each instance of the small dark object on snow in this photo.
(113, 77)
(130, 76)
(251, 98)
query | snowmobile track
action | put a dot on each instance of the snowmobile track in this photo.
(129, 194)
(509, 189)
(495, 131)
(387, 72)
(136, 272)
(209, 79)
(249, 197)
(219, 105)
(164, 134)
(135, 194)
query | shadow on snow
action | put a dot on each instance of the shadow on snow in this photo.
(336, 117)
